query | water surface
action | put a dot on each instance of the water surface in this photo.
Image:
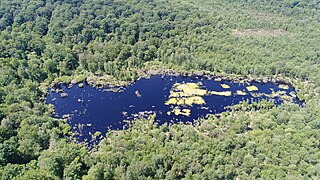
(97, 110)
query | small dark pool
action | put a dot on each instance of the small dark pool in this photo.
(95, 111)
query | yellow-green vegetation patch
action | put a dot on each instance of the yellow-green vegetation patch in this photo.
(281, 92)
(276, 94)
(218, 79)
(186, 94)
(178, 111)
(241, 93)
(175, 94)
(256, 95)
(283, 86)
(188, 89)
(286, 98)
(79, 78)
(293, 94)
(252, 88)
(193, 100)
(186, 101)
(171, 101)
(62, 79)
(225, 86)
(223, 93)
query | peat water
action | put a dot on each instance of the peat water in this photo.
(98, 109)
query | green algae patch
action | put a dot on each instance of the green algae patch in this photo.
(223, 93)
(225, 86)
(241, 93)
(283, 86)
(252, 88)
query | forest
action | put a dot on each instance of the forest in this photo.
(59, 41)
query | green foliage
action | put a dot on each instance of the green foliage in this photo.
(64, 41)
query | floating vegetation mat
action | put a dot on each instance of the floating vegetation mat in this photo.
(184, 95)
(225, 86)
(252, 88)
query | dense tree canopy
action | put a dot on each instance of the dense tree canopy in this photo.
(44, 41)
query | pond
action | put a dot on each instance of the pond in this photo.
(91, 112)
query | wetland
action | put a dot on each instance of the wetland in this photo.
(92, 112)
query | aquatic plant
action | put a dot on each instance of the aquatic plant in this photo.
(178, 111)
(276, 94)
(252, 88)
(64, 95)
(194, 100)
(283, 86)
(188, 89)
(171, 101)
(293, 94)
(223, 93)
(137, 93)
(186, 101)
(241, 93)
(225, 86)
(186, 94)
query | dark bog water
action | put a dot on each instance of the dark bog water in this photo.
(96, 110)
